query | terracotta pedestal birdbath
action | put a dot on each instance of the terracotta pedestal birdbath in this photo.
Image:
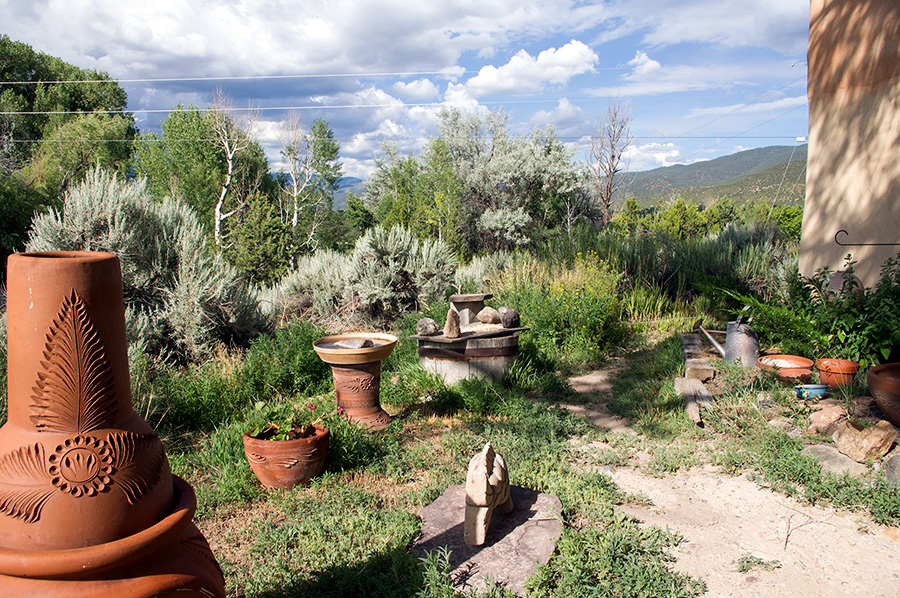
(88, 505)
(355, 360)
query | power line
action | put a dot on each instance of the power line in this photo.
(363, 75)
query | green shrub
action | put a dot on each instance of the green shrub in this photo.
(319, 281)
(181, 297)
(391, 273)
(572, 310)
(856, 322)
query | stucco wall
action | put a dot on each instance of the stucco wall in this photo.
(853, 174)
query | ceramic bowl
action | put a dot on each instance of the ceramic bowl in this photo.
(779, 362)
(811, 391)
(884, 385)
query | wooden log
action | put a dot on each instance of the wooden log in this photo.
(694, 395)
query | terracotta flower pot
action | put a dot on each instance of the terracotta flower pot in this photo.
(789, 369)
(884, 384)
(86, 494)
(357, 374)
(836, 372)
(287, 463)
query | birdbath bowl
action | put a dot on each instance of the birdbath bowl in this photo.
(355, 360)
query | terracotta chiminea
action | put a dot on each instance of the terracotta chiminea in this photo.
(88, 505)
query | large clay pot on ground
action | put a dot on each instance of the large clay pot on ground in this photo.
(88, 505)
(884, 385)
(287, 463)
(836, 372)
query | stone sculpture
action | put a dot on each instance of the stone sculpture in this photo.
(487, 490)
(488, 315)
(452, 326)
(509, 317)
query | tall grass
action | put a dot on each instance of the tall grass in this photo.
(572, 307)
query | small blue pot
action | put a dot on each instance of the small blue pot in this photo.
(811, 391)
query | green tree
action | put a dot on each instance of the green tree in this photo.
(57, 122)
(190, 161)
(260, 243)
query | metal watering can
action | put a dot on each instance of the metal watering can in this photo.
(741, 342)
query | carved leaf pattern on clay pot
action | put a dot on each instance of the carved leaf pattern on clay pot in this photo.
(75, 395)
(24, 483)
(136, 476)
(75, 392)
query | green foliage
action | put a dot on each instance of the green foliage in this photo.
(391, 273)
(619, 560)
(259, 243)
(43, 154)
(748, 563)
(476, 187)
(348, 545)
(319, 281)
(573, 309)
(180, 297)
(857, 323)
(358, 214)
(476, 276)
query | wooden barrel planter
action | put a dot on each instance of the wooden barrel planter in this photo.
(469, 356)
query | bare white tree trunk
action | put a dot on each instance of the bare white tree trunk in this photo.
(232, 138)
(299, 152)
(608, 145)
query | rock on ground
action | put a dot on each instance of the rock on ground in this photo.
(515, 545)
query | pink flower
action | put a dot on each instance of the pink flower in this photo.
(313, 407)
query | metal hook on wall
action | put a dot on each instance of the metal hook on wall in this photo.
(860, 244)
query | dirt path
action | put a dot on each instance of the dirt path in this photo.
(820, 552)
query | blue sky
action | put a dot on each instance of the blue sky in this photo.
(702, 78)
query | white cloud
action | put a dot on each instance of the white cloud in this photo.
(567, 119)
(777, 105)
(652, 155)
(643, 67)
(420, 89)
(525, 73)
(781, 25)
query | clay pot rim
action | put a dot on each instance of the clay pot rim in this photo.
(876, 371)
(798, 362)
(321, 431)
(833, 365)
(87, 256)
(354, 356)
(78, 563)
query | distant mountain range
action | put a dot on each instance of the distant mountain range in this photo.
(349, 184)
(756, 173)
(775, 172)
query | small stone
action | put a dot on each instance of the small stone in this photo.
(892, 468)
(832, 461)
(451, 328)
(783, 423)
(824, 420)
(862, 407)
(861, 443)
(427, 327)
(354, 343)
(509, 317)
(488, 315)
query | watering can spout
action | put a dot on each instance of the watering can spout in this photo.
(714, 342)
